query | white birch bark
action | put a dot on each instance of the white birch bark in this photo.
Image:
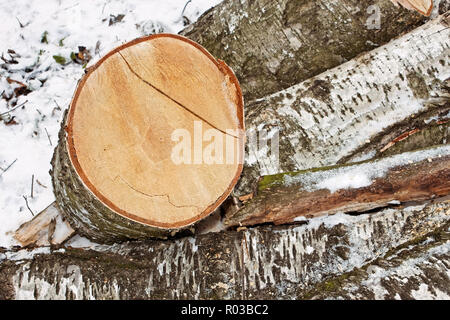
(264, 262)
(329, 118)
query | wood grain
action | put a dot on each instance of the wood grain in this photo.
(120, 126)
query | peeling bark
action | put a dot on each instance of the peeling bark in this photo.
(353, 110)
(264, 262)
(272, 45)
(284, 198)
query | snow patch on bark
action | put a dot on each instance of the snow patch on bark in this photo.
(360, 175)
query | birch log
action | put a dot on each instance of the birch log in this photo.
(272, 45)
(423, 6)
(114, 171)
(288, 197)
(264, 262)
(347, 111)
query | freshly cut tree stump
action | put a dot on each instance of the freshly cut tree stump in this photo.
(130, 162)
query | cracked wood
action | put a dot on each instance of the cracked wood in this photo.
(114, 173)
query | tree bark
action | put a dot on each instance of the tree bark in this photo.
(353, 111)
(419, 271)
(284, 198)
(272, 45)
(260, 263)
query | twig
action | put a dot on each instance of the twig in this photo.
(2, 114)
(20, 23)
(4, 170)
(41, 184)
(48, 136)
(59, 108)
(26, 201)
(184, 8)
(32, 185)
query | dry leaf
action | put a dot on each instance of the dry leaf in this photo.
(422, 6)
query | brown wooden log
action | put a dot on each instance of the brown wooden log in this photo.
(272, 45)
(290, 197)
(115, 171)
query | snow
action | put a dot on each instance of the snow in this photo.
(26, 254)
(27, 147)
(352, 179)
(360, 175)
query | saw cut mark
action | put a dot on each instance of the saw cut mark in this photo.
(178, 103)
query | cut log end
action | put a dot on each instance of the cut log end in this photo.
(134, 136)
(424, 7)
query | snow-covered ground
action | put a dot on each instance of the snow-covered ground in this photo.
(34, 37)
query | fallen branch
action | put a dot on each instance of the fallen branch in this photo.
(290, 197)
(16, 107)
(28, 206)
(7, 168)
(46, 228)
(32, 186)
(48, 136)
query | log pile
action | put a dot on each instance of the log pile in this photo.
(358, 189)
(355, 109)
